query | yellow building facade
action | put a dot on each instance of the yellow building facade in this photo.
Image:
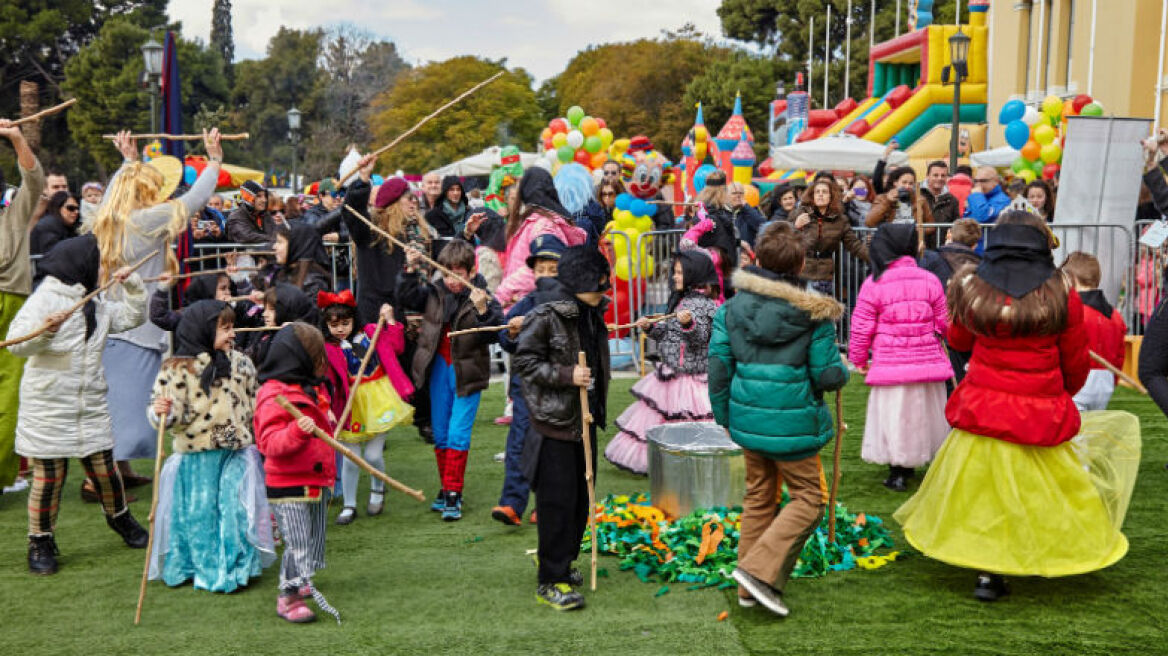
(1105, 48)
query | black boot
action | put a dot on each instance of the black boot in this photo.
(126, 526)
(990, 587)
(42, 554)
(896, 480)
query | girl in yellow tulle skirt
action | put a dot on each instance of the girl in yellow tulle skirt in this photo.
(1023, 485)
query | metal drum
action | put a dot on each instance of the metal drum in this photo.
(694, 465)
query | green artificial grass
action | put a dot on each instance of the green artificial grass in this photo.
(408, 583)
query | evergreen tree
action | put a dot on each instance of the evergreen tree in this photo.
(222, 40)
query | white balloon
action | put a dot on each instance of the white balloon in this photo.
(575, 139)
(1031, 116)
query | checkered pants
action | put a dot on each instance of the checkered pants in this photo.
(48, 479)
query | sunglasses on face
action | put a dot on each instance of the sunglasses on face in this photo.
(607, 193)
(71, 208)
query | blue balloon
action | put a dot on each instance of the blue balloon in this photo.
(376, 179)
(701, 174)
(1017, 134)
(1013, 110)
(190, 175)
(640, 208)
(623, 201)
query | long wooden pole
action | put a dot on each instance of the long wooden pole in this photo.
(357, 379)
(353, 457)
(840, 429)
(205, 272)
(201, 258)
(419, 124)
(589, 475)
(182, 137)
(495, 329)
(1139, 387)
(46, 112)
(257, 329)
(76, 306)
(158, 453)
(613, 327)
(401, 244)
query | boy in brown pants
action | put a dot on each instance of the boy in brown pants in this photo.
(778, 338)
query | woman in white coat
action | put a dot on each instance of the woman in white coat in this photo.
(63, 412)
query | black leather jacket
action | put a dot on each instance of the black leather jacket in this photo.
(544, 360)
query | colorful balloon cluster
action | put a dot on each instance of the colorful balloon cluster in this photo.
(193, 168)
(577, 137)
(1039, 135)
(632, 217)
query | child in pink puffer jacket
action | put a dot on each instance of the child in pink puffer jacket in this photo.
(901, 317)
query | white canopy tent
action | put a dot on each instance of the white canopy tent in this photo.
(837, 153)
(999, 158)
(482, 163)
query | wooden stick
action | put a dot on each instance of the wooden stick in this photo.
(612, 327)
(207, 272)
(158, 453)
(46, 112)
(182, 137)
(1139, 387)
(380, 151)
(257, 329)
(357, 379)
(76, 306)
(201, 258)
(401, 244)
(480, 329)
(672, 202)
(840, 428)
(354, 458)
(236, 299)
(589, 475)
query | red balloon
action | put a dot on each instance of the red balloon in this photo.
(197, 163)
(600, 122)
(620, 311)
(547, 144)
(224, 179)
(558, 125)
(584, 157)
(1081, 101)
(1049, 170)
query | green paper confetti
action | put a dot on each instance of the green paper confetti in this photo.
(662, 590)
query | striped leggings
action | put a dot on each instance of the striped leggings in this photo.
(303, 525)
(48, 479)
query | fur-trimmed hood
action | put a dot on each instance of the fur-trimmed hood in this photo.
(816, 305)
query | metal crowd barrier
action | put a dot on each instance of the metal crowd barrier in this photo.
(344, 275)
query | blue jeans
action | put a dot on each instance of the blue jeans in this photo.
(516, 489)
(453, 416)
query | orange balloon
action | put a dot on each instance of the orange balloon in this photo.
(598, 159)
(1031, 151)
(752, 195)
(589, 126)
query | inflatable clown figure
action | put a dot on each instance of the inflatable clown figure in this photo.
(506, 174)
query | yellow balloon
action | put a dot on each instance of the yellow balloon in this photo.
(621, 268)
(648, 266)
(625, 220)
(620, 145)
(643, 224)
(1044, 134)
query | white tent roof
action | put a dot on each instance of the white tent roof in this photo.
(999, 158)
(482, 163)
(840, 153)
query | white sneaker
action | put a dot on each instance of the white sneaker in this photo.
(762, 592)
(500, 456)
(747, 603)
(19, 485)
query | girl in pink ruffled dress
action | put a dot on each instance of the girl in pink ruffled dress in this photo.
(676, 389)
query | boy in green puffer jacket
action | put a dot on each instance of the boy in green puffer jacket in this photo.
(773, 355)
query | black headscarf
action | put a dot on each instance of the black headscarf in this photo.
(196, 334)
(537, 188)
(304, 243)
(75, 261)
(1017, 259)
(892, 242)
(287, 361)
(203, 288)
(294, 305)
(696, 269)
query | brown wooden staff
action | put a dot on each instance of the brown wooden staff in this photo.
(206, 272)
(625, 326)
(76, 306)
(257, 329)
(202, 258)
(1139, 387)
(158, 453)
(357, 379)
(419, 124)
(840, 429)
(182, 137)
(589, 475)
(401, 244)
(353, 457)
(46, 112)
(480, 329)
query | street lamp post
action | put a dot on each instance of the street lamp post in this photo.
(294, 137)
(152, 59)
(958, 58)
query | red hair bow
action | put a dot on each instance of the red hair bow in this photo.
(325, 299)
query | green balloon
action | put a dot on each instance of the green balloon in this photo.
(593, 144)
(565, 153)
(575, 114)
(1092, 109)
(1037, 166)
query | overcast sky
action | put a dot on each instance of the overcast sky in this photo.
(539, 35)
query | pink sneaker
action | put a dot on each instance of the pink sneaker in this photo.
(292, 608)
(503, 421)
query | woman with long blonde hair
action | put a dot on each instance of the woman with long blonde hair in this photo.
(135, 217)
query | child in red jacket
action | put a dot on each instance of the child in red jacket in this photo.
(299, 470)
(1008, 494)
(1105, 330)
(380, 400)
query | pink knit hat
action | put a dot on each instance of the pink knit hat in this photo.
(390, 191)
